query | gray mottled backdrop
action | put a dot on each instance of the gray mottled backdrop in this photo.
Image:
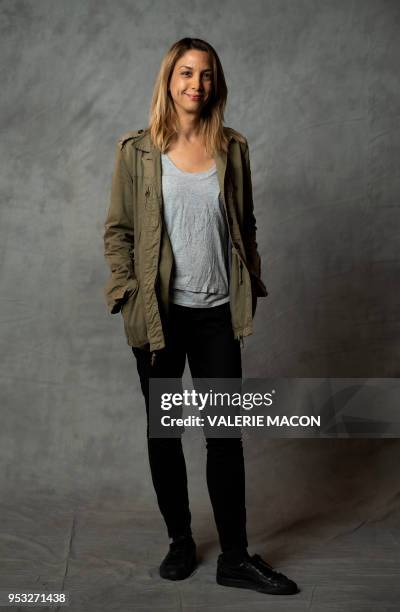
(313, 84)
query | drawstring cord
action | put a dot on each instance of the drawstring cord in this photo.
(240, 272)
(153, 357)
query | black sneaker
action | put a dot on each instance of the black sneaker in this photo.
(254, 573)
(180, 560)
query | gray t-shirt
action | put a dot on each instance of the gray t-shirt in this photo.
(196, 225)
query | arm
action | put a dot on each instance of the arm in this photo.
(258, 288)
(119, 236)
(249, 220)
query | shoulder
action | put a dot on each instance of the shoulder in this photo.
(132, 135)
(237, 136)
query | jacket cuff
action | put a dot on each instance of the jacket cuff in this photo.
(117, 295)
(258, 287)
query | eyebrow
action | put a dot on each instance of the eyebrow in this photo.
(205, 70)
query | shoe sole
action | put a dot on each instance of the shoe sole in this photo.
(243, 584)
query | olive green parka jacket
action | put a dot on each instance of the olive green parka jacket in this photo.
(138, 250)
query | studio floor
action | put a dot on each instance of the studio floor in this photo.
(106, 556)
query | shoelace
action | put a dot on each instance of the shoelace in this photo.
(265, 564)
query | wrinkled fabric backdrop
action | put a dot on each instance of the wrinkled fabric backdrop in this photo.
(314, 87)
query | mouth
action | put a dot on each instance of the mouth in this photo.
(194, 97)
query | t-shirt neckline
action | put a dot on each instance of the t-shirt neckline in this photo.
(201, 173)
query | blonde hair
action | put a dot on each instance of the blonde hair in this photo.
(163, 119)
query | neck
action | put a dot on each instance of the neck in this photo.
(189, 127)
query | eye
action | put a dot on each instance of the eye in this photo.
(206, 76)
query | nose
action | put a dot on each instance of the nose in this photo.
(196, 84)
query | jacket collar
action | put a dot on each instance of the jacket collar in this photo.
(153, 160)
(144, 143)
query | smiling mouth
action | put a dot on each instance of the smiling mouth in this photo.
(194, 97)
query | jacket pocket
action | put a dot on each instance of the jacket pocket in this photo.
(134, 319)
(151, 210)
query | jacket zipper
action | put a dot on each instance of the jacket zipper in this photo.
(240, 259)
(147, 194)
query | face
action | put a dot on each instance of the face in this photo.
(191, 81)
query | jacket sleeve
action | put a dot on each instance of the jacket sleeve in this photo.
(119, 236)
(249, 220)
(249, 232)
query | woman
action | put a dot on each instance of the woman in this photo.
(180, 239)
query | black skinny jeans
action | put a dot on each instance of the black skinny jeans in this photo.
(206, 337)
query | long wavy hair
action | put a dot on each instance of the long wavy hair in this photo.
(163, 119)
